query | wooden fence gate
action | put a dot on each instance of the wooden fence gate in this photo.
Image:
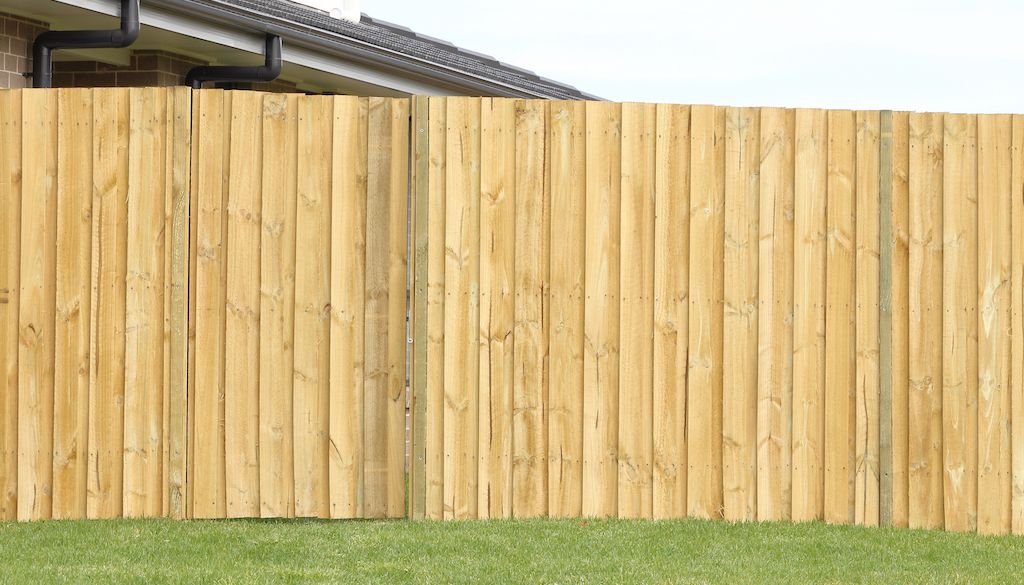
(202, 304)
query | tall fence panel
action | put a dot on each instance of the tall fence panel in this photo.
(746, 313)
(94, 191)
(297, 394)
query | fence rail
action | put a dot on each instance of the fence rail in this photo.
(627, 310)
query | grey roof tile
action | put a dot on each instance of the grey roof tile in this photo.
(399, 39)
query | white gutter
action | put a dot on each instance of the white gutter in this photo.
(254, 43)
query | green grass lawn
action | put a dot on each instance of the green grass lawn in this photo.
(536, 551)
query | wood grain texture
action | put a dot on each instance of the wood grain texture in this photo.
(311, 389)
(959, 300)
(809, 287)
(462, 308)
(532, 229)
(671, 309)
(925, 314)
(144, 305)
(211, 149)
(840, 316)
(707, 231)
(993, 331)
(885, 321)
(242, 307)
(179, 139)
(37, 306)
(10, 289)
(348, 269)
(636, 310)
(743, 171)
(74, 261)
(601, 320)
(866, 451)
(1016, 325)
(567, 145)
(901, 318)
(277, 305)
(436, 300)
(774, 358)
(418, 366)
(497, 304)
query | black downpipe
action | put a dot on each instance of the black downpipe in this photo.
(42, 67)
(266, 72)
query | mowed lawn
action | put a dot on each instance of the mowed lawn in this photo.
(524, 551)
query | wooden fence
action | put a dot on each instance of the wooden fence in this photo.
(616, 310)
(662, 311)
(247, 362)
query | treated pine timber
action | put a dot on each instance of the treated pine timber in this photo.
(774, 358)
(671, 309)
(567, 145)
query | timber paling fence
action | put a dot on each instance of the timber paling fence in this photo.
(615, 310)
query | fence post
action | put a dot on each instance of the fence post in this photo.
(418, 316)
(885, 320)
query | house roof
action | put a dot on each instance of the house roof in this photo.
(398, 46)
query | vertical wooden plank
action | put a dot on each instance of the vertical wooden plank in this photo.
(636, 310)
(107, 313)
(10, 288)
(242, 308)
(397, 298)
(740, 477)
(775, 335)
(601, 320)
(567, 128)
(144, 305)
(180, 139)
(840, 373)
(418, 363)
(384, 407)
(311, 398)
(532, 230)
(462, 309)
(900, 318)
(71, 364)
(36, 311)
(671, 309)
(707, 231)
(376, 310)
(1016, 326)
(348, 237)
(436, 297)
(809, 286)
(885, 322)
(994, 324)
(867, 340)
(497, 304)
(211, 155)
(959, 289)
(277, 305)
(925, 333)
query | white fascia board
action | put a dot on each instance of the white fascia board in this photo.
(249, 42)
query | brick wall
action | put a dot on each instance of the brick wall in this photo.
(16, 36)
(146, 69)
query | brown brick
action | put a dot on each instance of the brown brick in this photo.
(19, 81)
(74, 66)
(10, 27)
(98, 79)
(19, 47)
(5, 80)
(11, 64)
(144, 62)
(5, 43)
(137, 78)
(63, 79)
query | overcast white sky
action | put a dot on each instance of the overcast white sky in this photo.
(940, 55)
